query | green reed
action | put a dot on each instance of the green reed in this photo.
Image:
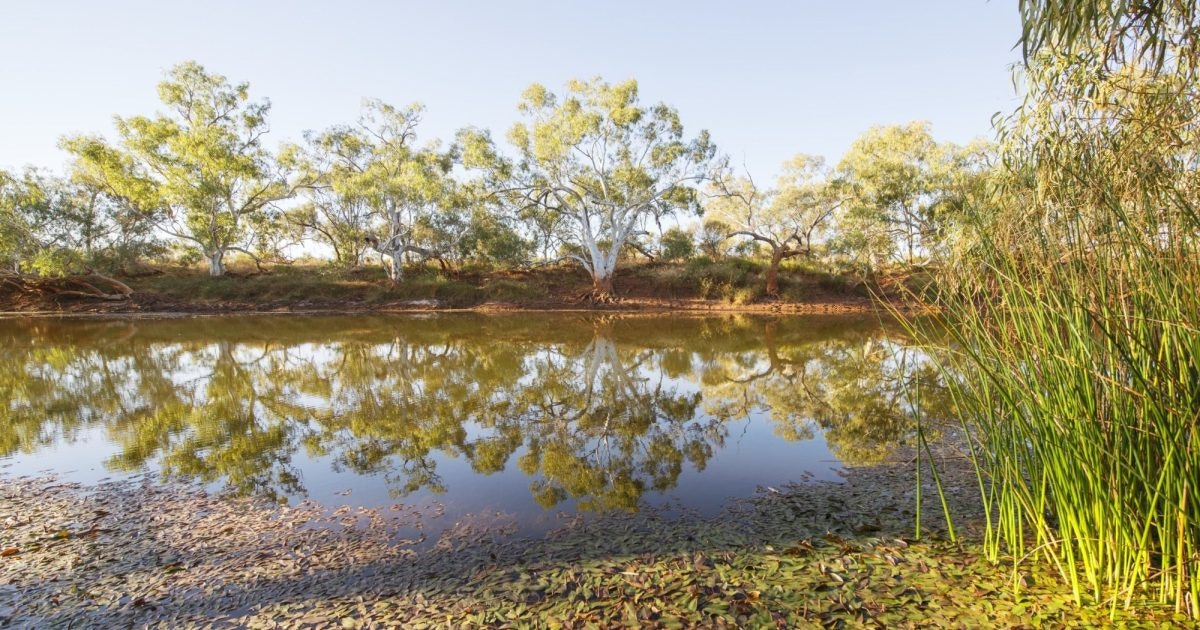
(1077, 365)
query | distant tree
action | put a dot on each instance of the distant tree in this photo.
(713, 238)
(967, 179)
(53, 226)
(596, 164)
(332, 213)
(786, 219)
(367, 184)
(677, 244)
(201, 167)
(488, 236)
(893, 178)
(21, 200)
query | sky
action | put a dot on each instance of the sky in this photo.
(767, 79)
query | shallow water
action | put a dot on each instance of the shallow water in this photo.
(518, 420)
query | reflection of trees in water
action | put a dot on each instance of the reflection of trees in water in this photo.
(862, 390)
(605, 426)
(600, 411)
(590, 422)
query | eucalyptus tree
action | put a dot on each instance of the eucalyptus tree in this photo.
(51, 225)
(200, 167)
(786, 219)
(597, 164)
(368, 185)
(328, 214)
(20, 197)
(712, 237)
(39, 232)
(968, 181)
(478, 230)
(677, 244)
(892, 175)
(102, 232)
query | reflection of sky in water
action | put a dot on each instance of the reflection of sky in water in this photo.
(749, 452)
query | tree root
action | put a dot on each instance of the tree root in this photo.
(86, 286)
(596, 296)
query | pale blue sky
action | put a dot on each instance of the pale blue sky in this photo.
(768, 79)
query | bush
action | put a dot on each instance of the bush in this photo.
(703, 261)
(677, 245)
(744, 296)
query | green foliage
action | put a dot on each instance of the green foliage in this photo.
(713, 238)
(20, 199)
(201, 168)
(369, 185)
(1075, 304)
(52, 226)
(488, 238)
(1110, 35)
(788, 220)
(595, 172)
(594, 166)
(905, 193)
(677, 245)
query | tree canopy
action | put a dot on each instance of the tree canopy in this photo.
(201, 168)
(596, 163)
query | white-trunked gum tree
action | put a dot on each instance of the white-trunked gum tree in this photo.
(369, 185)
(201, 167)
(601, 162)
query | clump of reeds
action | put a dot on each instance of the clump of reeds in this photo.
(1075, 307)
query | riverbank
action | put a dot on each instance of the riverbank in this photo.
(138, 553)
(726, 286)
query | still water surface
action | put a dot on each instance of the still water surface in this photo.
(522, 418)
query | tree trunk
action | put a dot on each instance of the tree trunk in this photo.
(216, 263)
(396, 271)
(773, 273)
(602, 286)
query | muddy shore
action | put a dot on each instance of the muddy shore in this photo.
(138, 553)
(152, 304)
(723, 288)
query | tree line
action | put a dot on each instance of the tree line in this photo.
(587, 176)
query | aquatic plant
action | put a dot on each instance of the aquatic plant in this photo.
(1075, 306)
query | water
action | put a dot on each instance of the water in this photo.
(518, 418)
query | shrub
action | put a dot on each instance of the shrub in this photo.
(677, 245)
(744, 295)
